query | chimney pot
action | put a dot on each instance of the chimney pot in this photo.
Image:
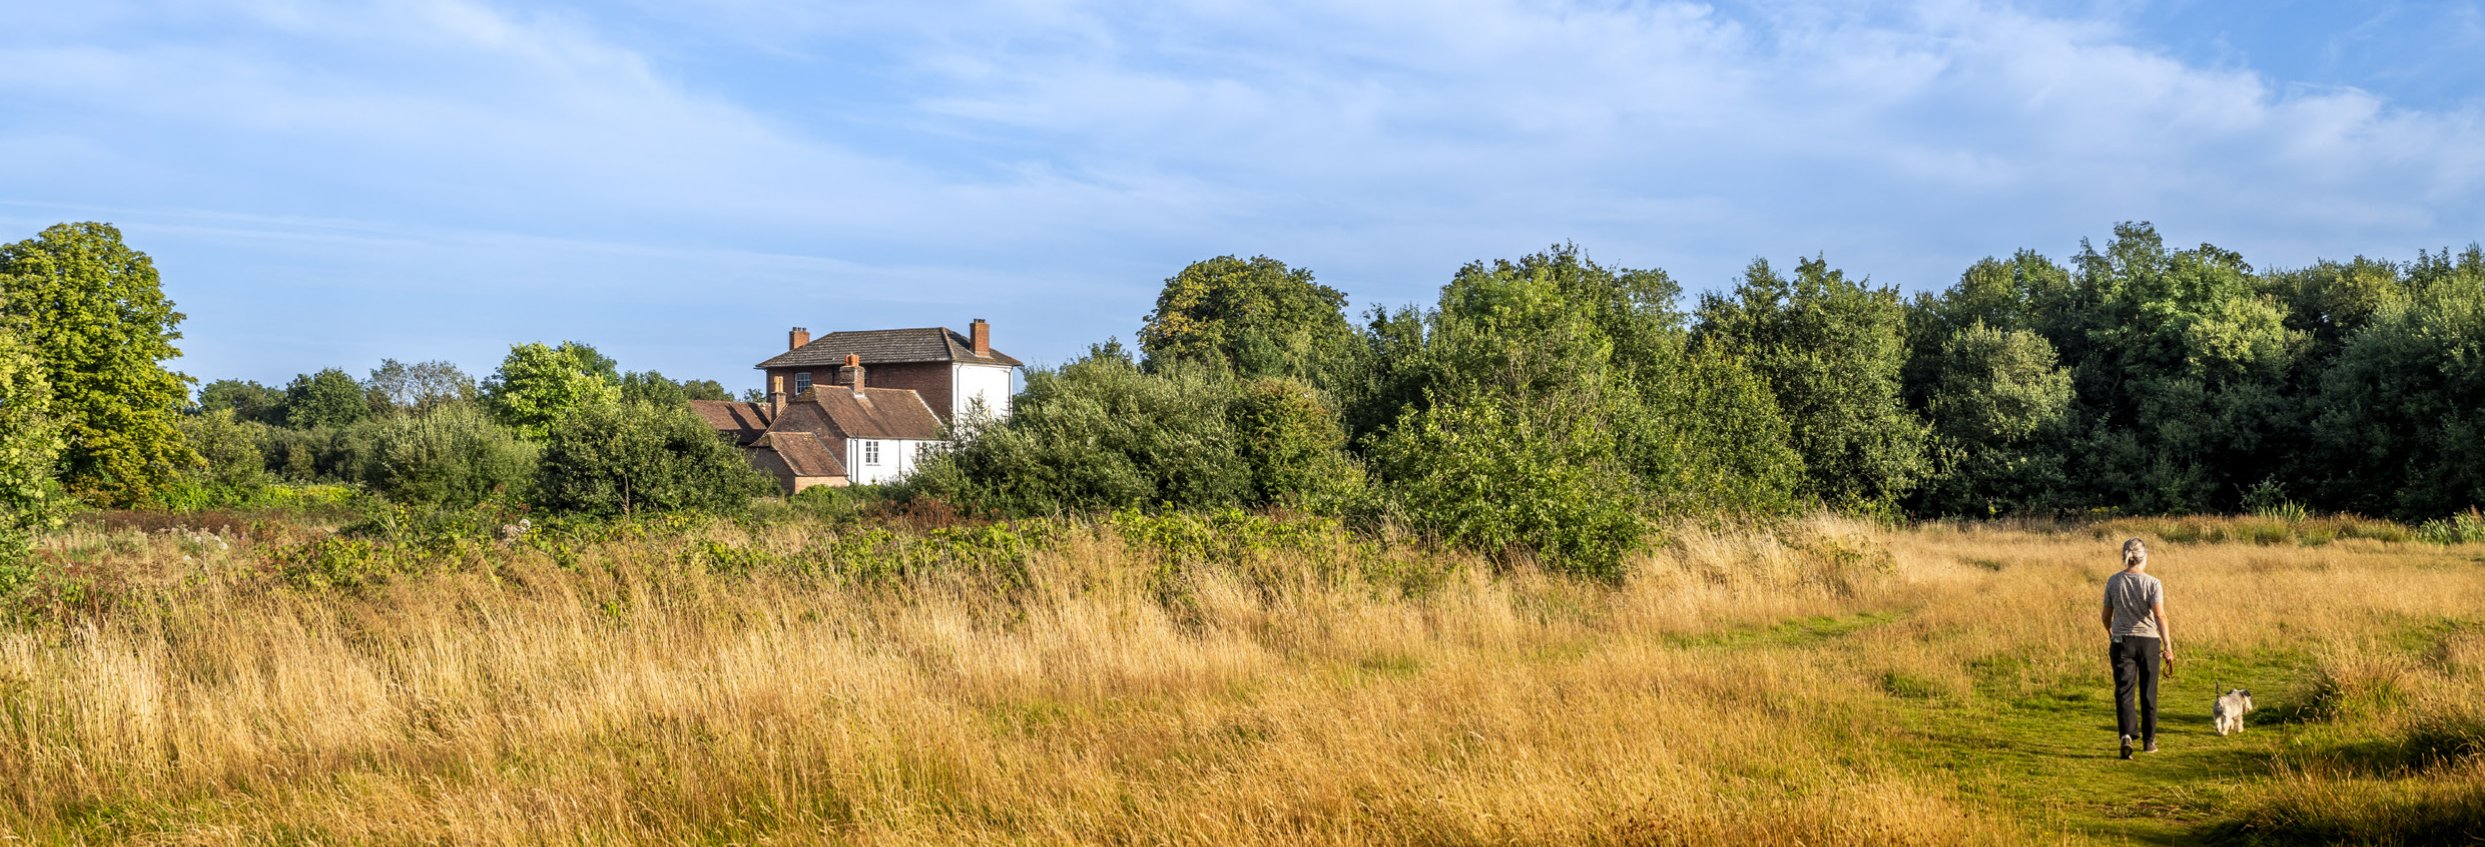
(797, 338)
(852, 373)
(981, 333)
(776, 396)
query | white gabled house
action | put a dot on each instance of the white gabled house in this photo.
(862, 408)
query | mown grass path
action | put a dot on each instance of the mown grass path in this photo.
(2042, 751)
(2049, 757)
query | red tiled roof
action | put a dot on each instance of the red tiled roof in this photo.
(873, 412)
(803, 452)
(888, 346)
(744, 421)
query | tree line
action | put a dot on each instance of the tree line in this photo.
(1547, 406)
(91, 415)
(1553, 406)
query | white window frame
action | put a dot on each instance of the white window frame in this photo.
(802, 381)
(871, 453)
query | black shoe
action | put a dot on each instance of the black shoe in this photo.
(2126, 746)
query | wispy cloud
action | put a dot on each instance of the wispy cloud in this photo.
(675, 179)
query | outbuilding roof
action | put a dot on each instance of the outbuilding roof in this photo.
(744, 421)
(804, 453)
(887, 346)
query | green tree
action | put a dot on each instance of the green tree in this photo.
(1550, 378)
(705, 389)
(1999, 404)
(1255, 317)
(1831, 350)
(95, 314)
(2402, 418)
(29, 450)
(1099, 434)
(652, 388)
(1291, 439)
(234, 466)
(538, 386)
(2184, 376)
(450, 456)
(629, 459)
(246, 399)
(419, 386)
(330, 397)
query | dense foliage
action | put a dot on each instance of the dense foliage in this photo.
(29, 445)
(1547, 408)
(628, 458)
(95, 316)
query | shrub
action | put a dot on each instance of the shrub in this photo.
(454, 456)
(628, 458)
(1096, 435)
(1481, 475)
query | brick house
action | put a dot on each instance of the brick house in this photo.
(860, 408)
(953, 372)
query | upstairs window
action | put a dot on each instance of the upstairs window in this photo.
(871, 453)
(802, 382)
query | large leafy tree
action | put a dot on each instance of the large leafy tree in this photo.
(2183, 378)
(538, 386)
(95, 314)
(330, 397)
(2402, 411)
(1831, 350)
(29, 447)
(1546, 402)
(1255, 317)
(1999, 404)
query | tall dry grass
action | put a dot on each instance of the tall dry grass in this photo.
(1738, 688)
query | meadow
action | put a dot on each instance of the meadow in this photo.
(1222, 679)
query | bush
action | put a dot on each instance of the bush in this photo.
(1096, 435)
(629, 458)
(454, 456)
(1481, 475)
(1295, 447)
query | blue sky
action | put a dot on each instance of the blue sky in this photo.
(327, 184)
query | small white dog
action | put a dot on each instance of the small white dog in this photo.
(2228, 710)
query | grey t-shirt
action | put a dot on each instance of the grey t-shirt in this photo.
(2132, 596)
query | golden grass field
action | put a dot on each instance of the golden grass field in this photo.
(1827, 682)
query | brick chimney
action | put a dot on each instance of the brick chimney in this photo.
(980, 333)
(797, 338)
(852, 373)
(776, 396)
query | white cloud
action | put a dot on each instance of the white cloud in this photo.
(1003, 152)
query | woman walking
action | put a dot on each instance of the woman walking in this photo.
(2135, 621)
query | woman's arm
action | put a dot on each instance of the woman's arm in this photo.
(2165, 634)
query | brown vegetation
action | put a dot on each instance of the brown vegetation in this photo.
(1828, 682)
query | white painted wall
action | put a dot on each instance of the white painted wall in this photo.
(969, 383)
(897, 459)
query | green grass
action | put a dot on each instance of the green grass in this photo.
(2039, 747)
(2050, 753)
(1791, 633)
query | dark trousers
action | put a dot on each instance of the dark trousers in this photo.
(2135, 672)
